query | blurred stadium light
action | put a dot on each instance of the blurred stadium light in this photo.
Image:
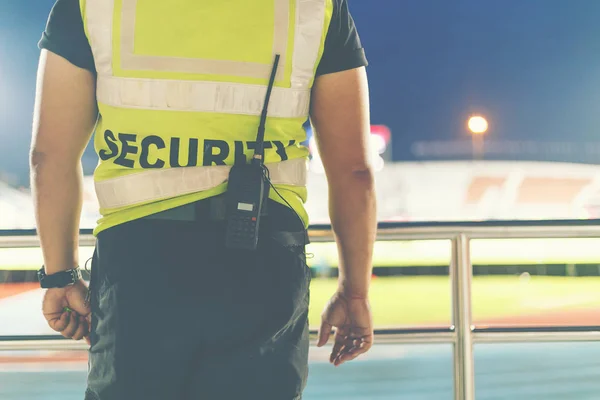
(382, 139)
(478, 125)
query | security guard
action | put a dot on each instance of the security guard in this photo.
(189, 297)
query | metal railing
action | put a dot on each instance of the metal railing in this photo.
(461, 334)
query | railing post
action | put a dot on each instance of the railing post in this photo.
(460, 274)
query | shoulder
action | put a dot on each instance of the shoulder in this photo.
(343, 48)
(65, 34)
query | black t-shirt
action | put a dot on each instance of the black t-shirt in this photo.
(65, 36)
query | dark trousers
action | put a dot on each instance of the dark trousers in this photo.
(176, 315)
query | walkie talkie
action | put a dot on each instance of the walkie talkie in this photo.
(247, 189)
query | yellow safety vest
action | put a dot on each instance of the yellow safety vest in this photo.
(180, 89)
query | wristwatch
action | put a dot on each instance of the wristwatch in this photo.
(59, 279)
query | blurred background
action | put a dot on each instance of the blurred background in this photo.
(482, 112)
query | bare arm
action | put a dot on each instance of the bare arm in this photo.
(64, 117)
(340, 115)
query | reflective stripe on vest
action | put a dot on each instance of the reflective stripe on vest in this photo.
(171, 182)
(202, 96)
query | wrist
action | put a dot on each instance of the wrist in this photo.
(355, 298)
(353, 293)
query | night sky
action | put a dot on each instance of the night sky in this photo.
(531, 66)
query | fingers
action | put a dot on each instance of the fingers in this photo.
(70, 325)
(348, 346)
(82, 329)
(80, 306)
(359, 346)
(336, 352)
(324, 333)
(340, 344)
(60, 322)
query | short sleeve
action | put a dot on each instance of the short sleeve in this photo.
(65, 35)
(343, 49)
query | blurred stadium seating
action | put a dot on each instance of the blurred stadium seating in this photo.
(412, 191)
(16, 208)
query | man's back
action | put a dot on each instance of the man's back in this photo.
(174, 91)
(182, 84)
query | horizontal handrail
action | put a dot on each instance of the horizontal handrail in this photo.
(398, 337)
(536, 329)
(397, 231)
(44, 345)
(536, 337)
(417, 224)
(476, 230)
(381, 333)
(55, 342)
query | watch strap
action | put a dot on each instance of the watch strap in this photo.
(59, 279)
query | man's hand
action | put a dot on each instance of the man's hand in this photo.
(354, 327)
(73, 324)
